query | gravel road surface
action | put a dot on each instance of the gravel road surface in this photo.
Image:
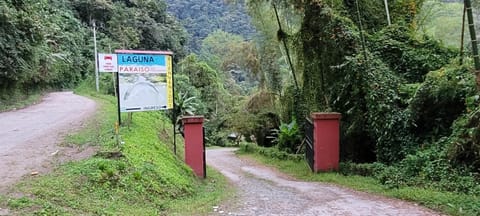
(29, 137)
(264, 191)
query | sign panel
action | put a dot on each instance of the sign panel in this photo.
(145, 81)
(141, 63)
(107, 62)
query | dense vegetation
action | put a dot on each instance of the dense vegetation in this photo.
(410, 109)
(49, 43)
(201, 18)
(406, 102)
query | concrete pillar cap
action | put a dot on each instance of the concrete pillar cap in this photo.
(326, 115)
(192, 119)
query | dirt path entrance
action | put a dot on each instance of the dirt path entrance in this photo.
(29, 137)
(264, 191)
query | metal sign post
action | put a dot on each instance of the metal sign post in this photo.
(97, 85)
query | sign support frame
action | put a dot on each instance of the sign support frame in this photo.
(169, 64)
(118, 98)
(174, 114)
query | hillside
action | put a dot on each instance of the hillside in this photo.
(201, 18)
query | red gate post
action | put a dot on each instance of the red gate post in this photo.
(326, 136)
(194, 146)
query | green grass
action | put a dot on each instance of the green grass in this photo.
(19, 101)
(147, 180)
(208, 196)
(446, 202)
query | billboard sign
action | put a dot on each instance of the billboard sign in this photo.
(145, 80)
(107, 62)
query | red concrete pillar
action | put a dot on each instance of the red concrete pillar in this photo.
(194, 146)
(326, 136)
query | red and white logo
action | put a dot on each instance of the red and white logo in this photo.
(107, 62)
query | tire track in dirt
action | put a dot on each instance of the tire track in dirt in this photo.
(264, 191)
(29, 137)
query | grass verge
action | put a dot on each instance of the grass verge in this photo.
(19, 101)
(139, 177)
(446, 202)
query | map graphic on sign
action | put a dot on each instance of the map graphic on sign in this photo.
(144, 82)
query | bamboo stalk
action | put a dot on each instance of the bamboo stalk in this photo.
(473, 35)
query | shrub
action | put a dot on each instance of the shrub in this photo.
(440, 100)
(408, 55)
(288, 137)
(430, 167)
(271, 152)
(463, 146)
(373, 117)
(361, 169)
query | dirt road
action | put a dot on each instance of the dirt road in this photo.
(29, 137)
(264, 191)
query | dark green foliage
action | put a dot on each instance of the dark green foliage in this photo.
(372, 111)
(182, 83)
(440, 100)
(430, 168)
(288, 137)
(422, 126)
(201, 18)
(387, 123)
(216, 102)
(373, 15)
(408, 56)
(140, 25)
(293, 107)
(158, 30)
(39, 49)
(324, 41)
(263, 117)
(186, 92)
(464, 143)
(369, 91)
(49, 44)
(205, 80)
(185, 105)
(270, 152)
(89, 10)
(361, 169)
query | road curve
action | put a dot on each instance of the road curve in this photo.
(264, 191)
(29, 136)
